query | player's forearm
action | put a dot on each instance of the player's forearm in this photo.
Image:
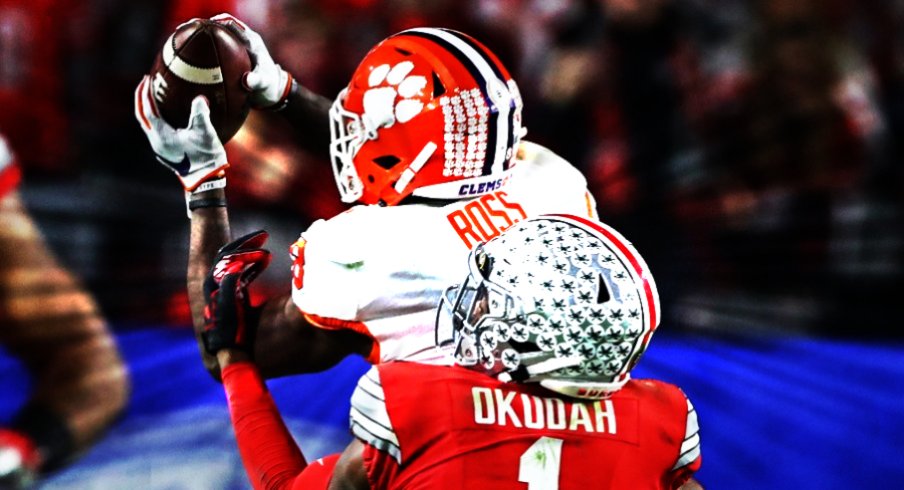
(309, 115)
(84, 380)
(81, 386)
(53, 324)
(56, 328)
(209, 231)
(287, 343)
(269, 454)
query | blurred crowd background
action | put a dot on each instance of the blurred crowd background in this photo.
(750, 149)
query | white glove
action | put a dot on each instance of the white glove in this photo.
(194, 153)
(268, 83)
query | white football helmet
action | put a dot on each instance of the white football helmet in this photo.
(558, 300)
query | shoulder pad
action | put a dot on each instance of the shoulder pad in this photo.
(690, 447)
(340, 238)
(369, 418)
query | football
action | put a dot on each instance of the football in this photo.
(202, 58)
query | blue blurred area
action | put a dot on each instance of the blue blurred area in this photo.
(167, 375)
(790, 412)
(774, 412)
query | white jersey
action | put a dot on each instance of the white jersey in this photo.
(382, 270)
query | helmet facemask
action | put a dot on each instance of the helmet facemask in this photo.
(549, 302)
(347, 136)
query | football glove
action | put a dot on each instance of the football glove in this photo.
(268, 83)
(229, 318)
(19, 460)
(194, 153)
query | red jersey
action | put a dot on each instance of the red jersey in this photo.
(441, 427)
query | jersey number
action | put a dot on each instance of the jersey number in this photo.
(539, 466)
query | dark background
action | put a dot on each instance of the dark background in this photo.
(751, 150)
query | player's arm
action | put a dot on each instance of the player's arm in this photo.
(273, 88)
(350, 472)
(285, 342)
(309, 115)
(692, 484)
(288, 343)
(209, 231)
(271, 458)
(270, 455)
(54, 326)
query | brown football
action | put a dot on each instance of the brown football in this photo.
(202, 58)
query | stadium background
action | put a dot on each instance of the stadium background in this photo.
(750, 149)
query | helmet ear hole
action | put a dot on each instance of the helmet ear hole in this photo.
(438, 87)
(387, 161)
(603, 295)
(371, 179)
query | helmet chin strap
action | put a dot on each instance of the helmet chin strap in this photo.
(584, 389)
(527, 372)
(351, 188)
(368, 127)
(553, 364)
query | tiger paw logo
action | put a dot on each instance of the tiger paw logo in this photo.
(391, 96)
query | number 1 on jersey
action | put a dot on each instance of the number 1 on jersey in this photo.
(539, 466)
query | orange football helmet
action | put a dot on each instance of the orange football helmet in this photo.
(429, 112)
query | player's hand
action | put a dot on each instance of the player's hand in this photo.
(194, 153)
(19, 460)
(268, 83)
(229, 318)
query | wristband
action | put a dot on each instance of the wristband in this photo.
(210, 185)
(49, 433)
(212, 202)
(284, 99)
(192, 202)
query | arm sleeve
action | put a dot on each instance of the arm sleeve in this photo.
(270, 455)
(689, 457)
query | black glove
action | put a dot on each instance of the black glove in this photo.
(230, 320)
